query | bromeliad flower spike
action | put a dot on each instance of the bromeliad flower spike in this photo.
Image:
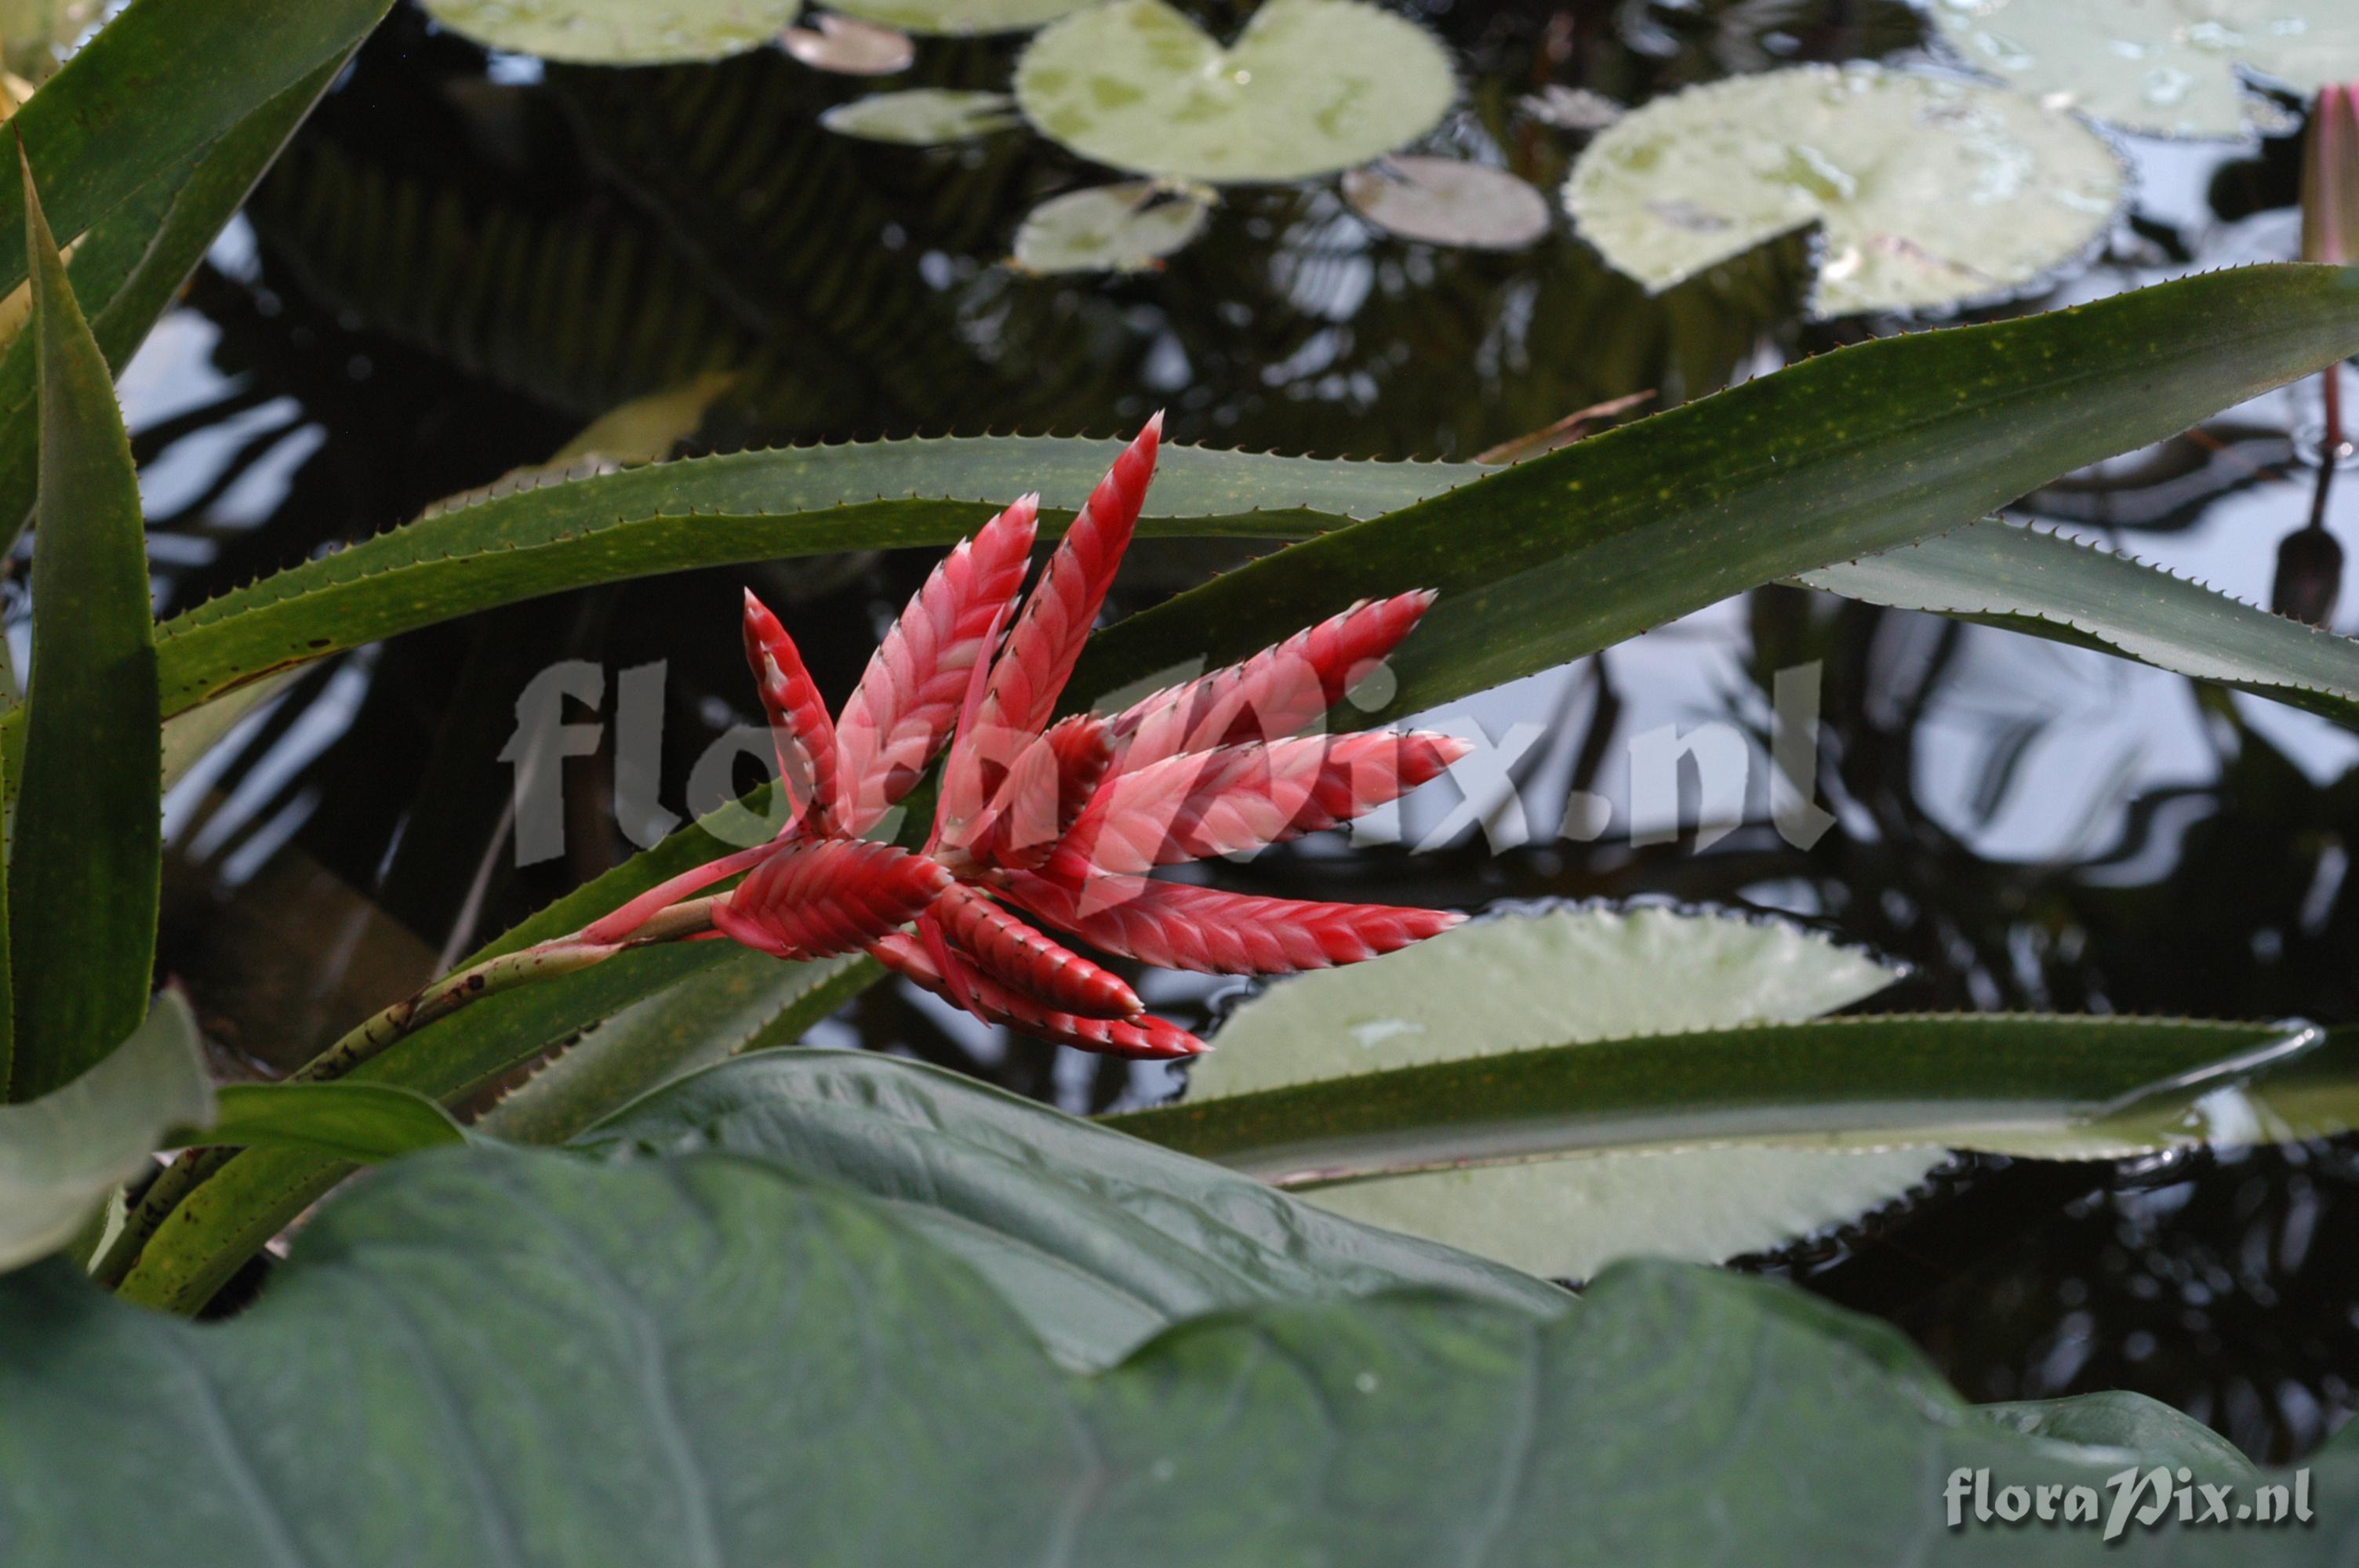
(1059, 820)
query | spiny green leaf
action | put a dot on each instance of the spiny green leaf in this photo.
(83, 875)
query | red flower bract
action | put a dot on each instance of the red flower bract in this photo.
(1059, 819)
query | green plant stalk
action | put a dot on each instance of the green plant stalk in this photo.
(547, 960)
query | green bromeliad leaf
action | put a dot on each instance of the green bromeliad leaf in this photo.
(1309, 87)
(1929, 192)
(695, 1359)
(361, 1123)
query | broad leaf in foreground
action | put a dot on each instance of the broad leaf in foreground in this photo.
(86, 860)
(1098, 1239)
(699, 1359)
(62, 1155)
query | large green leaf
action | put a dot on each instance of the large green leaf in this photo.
(61, 1156)
(698, 1360)
(131, 263)
(1098, 1239)
(2051, 586)
(1866, 448)
(161, 82)
(86, 860)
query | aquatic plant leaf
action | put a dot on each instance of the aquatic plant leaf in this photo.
(700, 1357)
(62, 1155)
(1929, 192)
(1309, 87)
(618, 32)
(1448, 201)
(1165, 1237)
(158, 83)
(959, 18)
(922, 116)
(848, 47)
(1107, 228)
(2167, 67)
(2050, 584)
(86, 860)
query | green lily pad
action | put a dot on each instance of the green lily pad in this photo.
(1311, 87)
(959, 18)
(1448, 201)
(1109, 228)
(618, 32)
(1930, 193)
(923, 116)
(2167, 68)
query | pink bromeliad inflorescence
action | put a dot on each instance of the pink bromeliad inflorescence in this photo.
(1062, 820)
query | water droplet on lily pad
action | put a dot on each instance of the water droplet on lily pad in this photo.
(923, 116)
(850, 47)
(619, 32)
(1309, 87)
(1108, 228)
(2166, 67)
(1444, 201)
(960, 18)
(1930, 193)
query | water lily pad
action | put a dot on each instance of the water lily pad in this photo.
(2167, 68)
(1309, 87)
(1930, 193)
(850, 48)
(618, 32)
(1445, 201)
(960, 18)
(1109, 228)
(923, 116)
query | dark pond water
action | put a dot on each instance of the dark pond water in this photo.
(457, 265)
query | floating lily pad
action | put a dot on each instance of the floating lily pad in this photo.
(1930, 192)
(1311, 87)
(1445, 201)
(1109, 228)
(2167, 68)
(923, 116)
(618, 32)
(960, 18)
(850, 48)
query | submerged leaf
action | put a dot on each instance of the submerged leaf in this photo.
(1930, 193)
(2167, 68)
(618, 32)
(922, 116)
(1309, 87)
(1448, 201)
(1108, 228)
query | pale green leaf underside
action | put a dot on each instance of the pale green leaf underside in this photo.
(1930, 192)
(921, 116)
(2167, 67)
(958, 18)
(1107, 228)
(698, 1360)
(1309, 87)
(1448, 201)
(618, 32)
(61, 1156)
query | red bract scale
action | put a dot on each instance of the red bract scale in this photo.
(1059, 819)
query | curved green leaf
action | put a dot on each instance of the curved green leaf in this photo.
(696, 1360)
(161, 82)
(2052, 586)
(62, 1155)
(86, 861)
(1053, 1198)
(361, 1123)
